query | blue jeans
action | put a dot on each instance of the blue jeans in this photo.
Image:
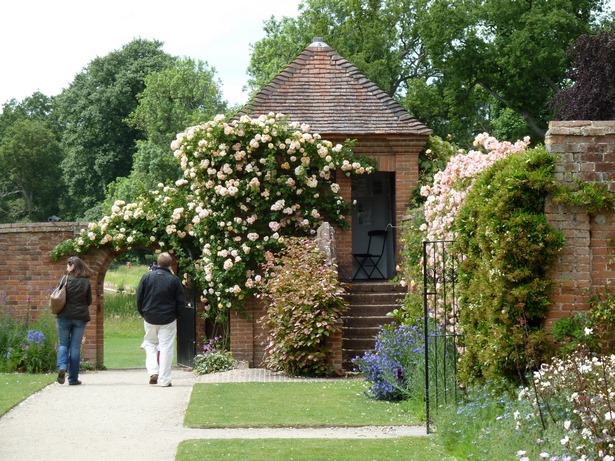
(70, 334)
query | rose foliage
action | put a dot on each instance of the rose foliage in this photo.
(305, 304)
(247, 184)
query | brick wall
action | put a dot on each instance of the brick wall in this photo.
(585, 151)
(30, 275)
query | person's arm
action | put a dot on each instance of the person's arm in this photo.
(180, 301)
(139, 295)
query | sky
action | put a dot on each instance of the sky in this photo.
(44, 44)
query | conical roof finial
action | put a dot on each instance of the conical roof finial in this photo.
(318, 41)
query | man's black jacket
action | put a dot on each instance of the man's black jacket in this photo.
(160, 296)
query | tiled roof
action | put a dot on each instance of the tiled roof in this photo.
(327, 92)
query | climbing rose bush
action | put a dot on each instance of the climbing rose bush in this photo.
(450, 187)
(443, 200)
(246, 185)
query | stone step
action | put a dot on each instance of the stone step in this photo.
(358, 300)
(369, 332)
(377, 287)
(366, 321)
(370, 310)
(369, 303)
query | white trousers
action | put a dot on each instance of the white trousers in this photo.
(160, 338)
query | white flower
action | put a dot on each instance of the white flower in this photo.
(588, 331)
(609, 416)
(567, 424)
(565, 441)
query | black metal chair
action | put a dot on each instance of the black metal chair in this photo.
(368, 261)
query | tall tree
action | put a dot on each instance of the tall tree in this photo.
(30, 158)
(183, 94)
(93, 111)
(380, 37)
(513, 51)
(37, 106)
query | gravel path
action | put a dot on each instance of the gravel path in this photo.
(116, 414)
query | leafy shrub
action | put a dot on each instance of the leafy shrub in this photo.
(214, 358)
(28, 346)
(504, 282)
(591, 329)
(305, 307)
(568, 333)
(393, 368)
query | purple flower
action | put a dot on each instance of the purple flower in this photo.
(35, 337)
(397, 352)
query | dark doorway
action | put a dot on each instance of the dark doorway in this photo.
(373, 198)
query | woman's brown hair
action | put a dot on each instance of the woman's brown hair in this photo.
(79, 268)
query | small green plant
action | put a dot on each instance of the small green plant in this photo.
(214, 358)
(591, 329)
(305, 307)
(568, 333)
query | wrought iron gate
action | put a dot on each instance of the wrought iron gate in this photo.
(440, 310)
(186, 331)
(186, 325)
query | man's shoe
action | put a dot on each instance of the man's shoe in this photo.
(61, 376)
(153, 379)
(74, 383)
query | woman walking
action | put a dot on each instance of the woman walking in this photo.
(72, 320)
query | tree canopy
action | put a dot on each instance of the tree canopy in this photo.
(460, 67)
(93, 110)
(31, 183)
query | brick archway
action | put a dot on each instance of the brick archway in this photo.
(30, 275)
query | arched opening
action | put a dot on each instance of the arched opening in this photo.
(122, 324)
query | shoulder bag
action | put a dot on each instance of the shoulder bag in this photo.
(58, 297)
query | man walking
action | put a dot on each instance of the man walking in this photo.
(160, 298)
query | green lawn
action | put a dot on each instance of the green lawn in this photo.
(15, 387)
(123, 352)
(295, 404)
(404, 448)
(341, 403)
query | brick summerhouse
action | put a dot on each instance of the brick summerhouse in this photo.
(324, 90)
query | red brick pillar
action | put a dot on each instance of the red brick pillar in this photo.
(242, 334)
